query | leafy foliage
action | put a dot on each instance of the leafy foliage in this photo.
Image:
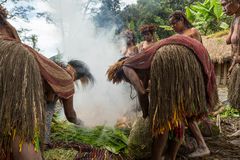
(230, 112)
(207, 16)
(114, 140)
(25, 10)
(145, 12)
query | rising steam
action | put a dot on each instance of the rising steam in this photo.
(104, 103)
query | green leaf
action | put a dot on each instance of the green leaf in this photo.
(218, 10)
(165, 27)
(157, 19)
(190, 14)
(213, 3)
(206, 2)
(224, 25)
(200, 9)
(131, 25)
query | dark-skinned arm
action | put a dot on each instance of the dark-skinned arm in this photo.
(69, 111)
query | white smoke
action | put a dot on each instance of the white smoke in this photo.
(105, 102)
(127, 2)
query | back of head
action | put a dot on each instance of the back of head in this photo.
(82, 71)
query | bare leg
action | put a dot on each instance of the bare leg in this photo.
(144, 103)
(202, 149)
(49, 115)
(158, 146)
(174, 146)
(134, 79)
(27, 153)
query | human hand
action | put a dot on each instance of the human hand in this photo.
(79, 123)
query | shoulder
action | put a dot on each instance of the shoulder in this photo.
(195, 31)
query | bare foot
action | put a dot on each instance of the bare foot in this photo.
(200, 152)
(236, 134)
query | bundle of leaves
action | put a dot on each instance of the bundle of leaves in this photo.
(230, 112)
(111, 139)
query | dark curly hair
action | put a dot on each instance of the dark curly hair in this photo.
(179, 15)
(81, 70)
(129, 34)
(148, 28)
(80, 67)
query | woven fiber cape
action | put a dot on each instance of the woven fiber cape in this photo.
(59, 80)
(143, 61)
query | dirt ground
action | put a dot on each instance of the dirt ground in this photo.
(223, 147)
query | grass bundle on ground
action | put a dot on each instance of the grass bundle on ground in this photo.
(230, 112)
(111, 139)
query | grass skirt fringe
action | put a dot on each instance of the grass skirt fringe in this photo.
(115, 73)
(21, 98)
(234, 87)
(177, 88)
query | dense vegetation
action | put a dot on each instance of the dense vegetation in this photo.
(205, 15)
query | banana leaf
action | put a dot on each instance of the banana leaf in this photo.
(111, 139)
